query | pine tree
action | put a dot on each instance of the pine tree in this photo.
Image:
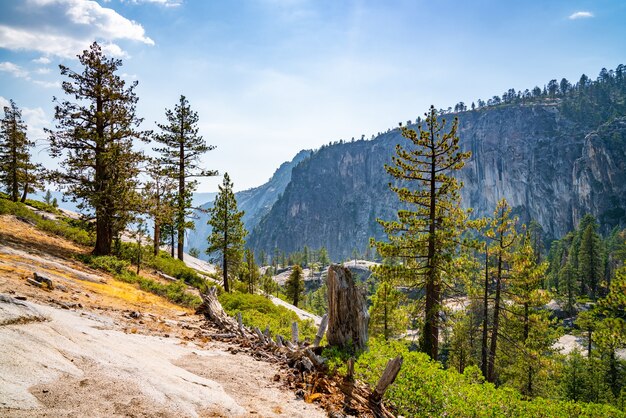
(158, 194)
(294, 286)
(387, 318)
(17, 171)
(426, 236)
(227, 238)
(95, 134)
(590, 260)
(503, 236)
(252, 275)
(181, 151)
(48, 197)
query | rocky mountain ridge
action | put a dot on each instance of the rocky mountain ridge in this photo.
(551, 168)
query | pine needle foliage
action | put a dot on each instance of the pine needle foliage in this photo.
(17, 172)
(426, 235)
(227, 239)
(180, 154)
(95, 130)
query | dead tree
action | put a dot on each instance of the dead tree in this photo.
(347, 311)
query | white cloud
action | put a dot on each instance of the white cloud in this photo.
(19, 72)
(3, 102)
(580, 15)
(166, 3)
(70, 26)
(13, 69)
(47, 84)
(42, 60)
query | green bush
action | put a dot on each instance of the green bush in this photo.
(424, 389)
(256, 310)
(42, 206)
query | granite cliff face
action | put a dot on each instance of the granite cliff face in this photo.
(549, 167)
(256, 203)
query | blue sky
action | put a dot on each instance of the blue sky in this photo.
(271, 77)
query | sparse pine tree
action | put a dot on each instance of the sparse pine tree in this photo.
(252, 271)
(294, 286)
(388, 319)
(48, 197)
(181, 151)
(590, 260)
(228, 234)
(18, 174)
(94, 133)
(426, 235)
(158, 193)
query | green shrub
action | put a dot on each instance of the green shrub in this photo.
(256, 310)
(64, 227)
(42, 206)
(424, 389)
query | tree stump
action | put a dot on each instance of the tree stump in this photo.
(347, 311)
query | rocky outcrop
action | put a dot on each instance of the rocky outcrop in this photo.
(549, 167)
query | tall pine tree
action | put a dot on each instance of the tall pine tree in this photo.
(181, 151)
(426, 235)
(227, 237)
(94, 133)
(17, 172)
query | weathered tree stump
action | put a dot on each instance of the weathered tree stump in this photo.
(320, 331)
(347, 311)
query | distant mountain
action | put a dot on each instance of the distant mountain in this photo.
(256, 203)
(554, 158)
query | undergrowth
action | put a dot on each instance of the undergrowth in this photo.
(73, 230)
(175, 292)
(424, 389)
(258, 311)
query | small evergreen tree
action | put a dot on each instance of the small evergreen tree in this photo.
(181, 151)
(590, 260)
(227, 238)
(387, 317)
(17, 171)
(294, 286)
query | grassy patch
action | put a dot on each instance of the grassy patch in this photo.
(175, 292)
(67, 228)
(256, 310)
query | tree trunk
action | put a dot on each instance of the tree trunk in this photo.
(347, 311)
(430, 334)
(484, 348)
(103, 236)
(172, 241)
(181, 188)
(491, 377)
(157, 237)
(24, 193)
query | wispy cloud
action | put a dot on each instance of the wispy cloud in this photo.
(580, 15)
(13, 69)
(165, 3)
(19, 72)
(66, 27)
(42, 60)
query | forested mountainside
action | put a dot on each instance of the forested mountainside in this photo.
(554, 155)
(256, 203)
